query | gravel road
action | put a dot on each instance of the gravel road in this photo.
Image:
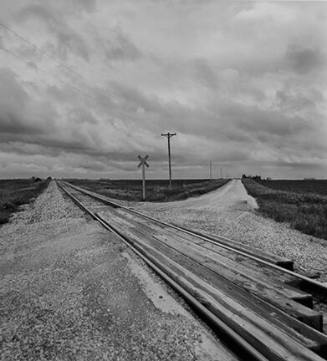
(72, 291)
(229, 211)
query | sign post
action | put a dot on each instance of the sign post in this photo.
(143, 163)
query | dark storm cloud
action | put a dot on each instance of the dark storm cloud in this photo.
(32, 65)
(305, 59)
(246, 118)
(94, 83)
(19, 114)
(256, 120)
(226, 121)
(11, 123)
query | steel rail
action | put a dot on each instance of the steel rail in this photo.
(245, 349)
(310, 282)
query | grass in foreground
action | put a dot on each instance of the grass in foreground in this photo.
(15, 192)
(306, 212)
(156, 190)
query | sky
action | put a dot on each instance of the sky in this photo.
(88, 85)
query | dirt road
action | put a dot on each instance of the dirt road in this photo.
(70, 290)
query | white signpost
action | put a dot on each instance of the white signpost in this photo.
(143, 163)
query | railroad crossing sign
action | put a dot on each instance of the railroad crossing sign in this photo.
(143, 163)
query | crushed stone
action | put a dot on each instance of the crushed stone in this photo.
(68, 292)
(230, 212)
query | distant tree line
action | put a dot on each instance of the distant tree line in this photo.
(254, 177)
(37, 179)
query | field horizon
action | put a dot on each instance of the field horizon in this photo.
(157, 190)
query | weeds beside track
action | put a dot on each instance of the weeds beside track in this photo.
(15, 192)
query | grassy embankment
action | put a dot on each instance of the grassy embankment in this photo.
(306, 212)
(156, 190)
(15, 192)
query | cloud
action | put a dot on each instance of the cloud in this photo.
(67, 38)
(19, 114)
(289, 100)
(86, 86)
(304, 60)
(120, 47)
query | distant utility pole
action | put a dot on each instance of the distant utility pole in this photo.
(210, 169)
(143, 163)
(221, 172)
(169, 135)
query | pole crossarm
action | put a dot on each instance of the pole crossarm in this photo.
(168, 135)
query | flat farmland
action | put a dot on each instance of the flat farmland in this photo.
(317, 186)
(15, 192)
(156, 190)
(303, 203)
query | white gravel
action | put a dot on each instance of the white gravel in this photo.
(70, 290)
(229, 211)
(49, 206)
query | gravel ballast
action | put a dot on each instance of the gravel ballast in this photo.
(231, 212)
(70, 290)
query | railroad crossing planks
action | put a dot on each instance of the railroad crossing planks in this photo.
(271, 291)
(273, 332)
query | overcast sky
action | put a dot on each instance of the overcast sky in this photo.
(87, 85)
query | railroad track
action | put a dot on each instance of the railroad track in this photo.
(252, 299)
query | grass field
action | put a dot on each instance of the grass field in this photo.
(15, 192)
(317, 186)
(305, 210)
(156, 190)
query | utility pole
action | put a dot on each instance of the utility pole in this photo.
(169, 135)
(143, 163)
(221, 172)
(210, 169)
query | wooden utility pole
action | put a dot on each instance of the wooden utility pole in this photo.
(169, 135)
(210, 169)
(143, 163)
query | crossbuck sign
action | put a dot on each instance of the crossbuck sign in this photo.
(143, 163)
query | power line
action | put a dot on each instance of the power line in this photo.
(37, 49)
(18, 35)
(39, 68)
